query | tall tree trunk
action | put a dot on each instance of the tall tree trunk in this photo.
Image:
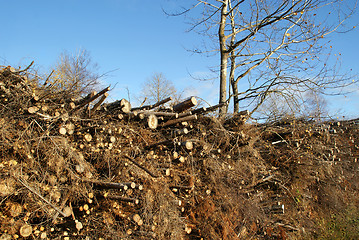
(224, 59)
(233, 83)
(235, 97)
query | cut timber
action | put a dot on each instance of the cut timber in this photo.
(25, 230)
(67, 211)
(89, 99)
(62, 131)
(209, 109)
(152, 121)
(112, 139)
(98, 104)
(15, 209)
(113, 185)
(88, 137)
(33, 109)
(184, 119)
(137, 219)
(199, 110)
(72, 105)
(88, 96)
(8, 70)
(140, 166)
(179, 132)
(148, 107)
(165, 114)
(187, 144)
(185, 114)
(125, 106)
(124, 199)
(190, 102)
(70, 127)
(165, 142)
(122, 105)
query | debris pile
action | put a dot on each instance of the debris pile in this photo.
(76, 167)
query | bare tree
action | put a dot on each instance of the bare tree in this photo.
(315, 105)
(75, 73)
(311, 105)
(271, 47)
(157, 88)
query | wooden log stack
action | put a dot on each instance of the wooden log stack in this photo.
(85, 151)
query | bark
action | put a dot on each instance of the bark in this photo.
(98, 104)
(90, 99)
(192, 101)
(224, 59)
(184, 119)
(122, 105)
(235, 97)
(148, 107)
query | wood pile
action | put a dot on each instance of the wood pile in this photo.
(80, 168)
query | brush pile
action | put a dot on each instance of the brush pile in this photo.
(75, 167)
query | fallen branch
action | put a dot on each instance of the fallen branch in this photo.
(41, 197)
(111, 185)
(123, 199)
(27, 68)
(102, 99)
(90, 99)
(140, 166)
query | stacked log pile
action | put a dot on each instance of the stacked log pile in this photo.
(79, 168)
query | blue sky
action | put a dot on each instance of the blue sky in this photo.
(135, 37)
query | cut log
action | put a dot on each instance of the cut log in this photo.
(25, 230)
(72, 105)
(179, 132)
(67, 211)
(89, 99)
(124, 199)
(78, 225)
(122, 105)
(209, 109)
(15, 209)
(187, 144)
(88, 137)
(8, 70)
(148, 107)
(152, 121)
(113, 185)
(98, 104)
(165, 114)
(184, 119)
(190, 102)
(140, 166)
(185, 114)
(199, 110)
(165, 142)
(70, 127)
(62, 131)
(137, 219)
(33, 109)
(112, 139)
(88, 96)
